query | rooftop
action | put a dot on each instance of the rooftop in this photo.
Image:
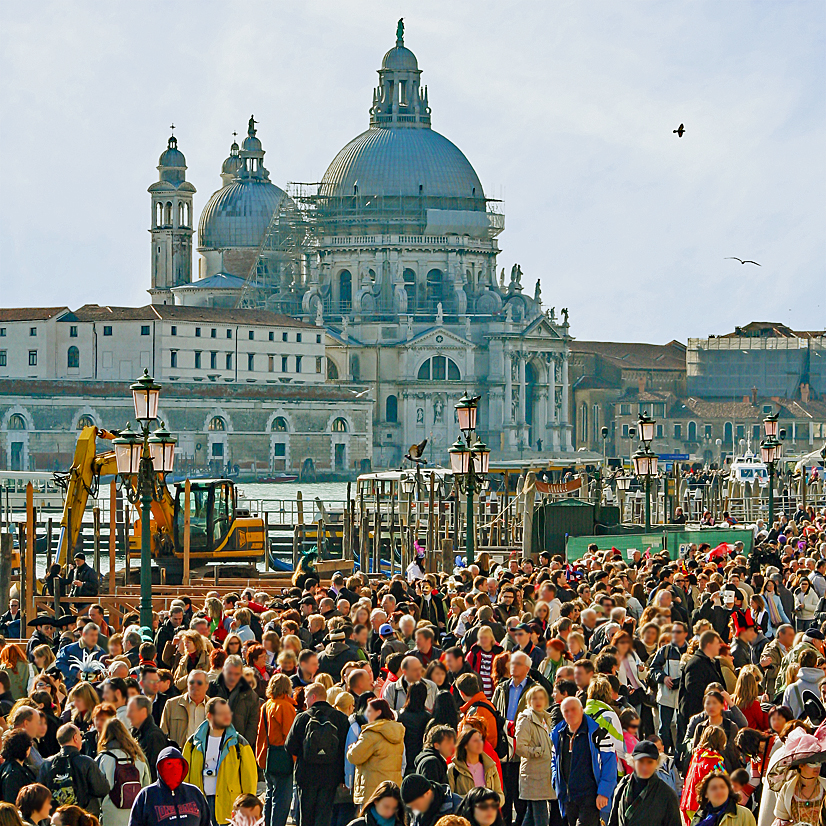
(635, 356)
(30, 313)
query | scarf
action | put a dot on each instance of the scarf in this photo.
(712, 816)
(382, 821)
(774, 613)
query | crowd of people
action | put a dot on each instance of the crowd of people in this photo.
(631, 689)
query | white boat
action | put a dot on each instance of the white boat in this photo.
(47, 495)
(748, 468)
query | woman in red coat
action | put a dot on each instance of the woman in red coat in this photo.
(707, 757)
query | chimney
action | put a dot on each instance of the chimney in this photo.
(804, 393)
(754, 396)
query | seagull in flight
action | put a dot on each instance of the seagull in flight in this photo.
(735, 258)
(680, 131)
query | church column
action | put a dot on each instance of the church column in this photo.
(540, 417)
(508, 417)
(522, 389)
(565, 391)
(553, 421)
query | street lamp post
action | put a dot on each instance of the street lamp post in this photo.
(770, 453)
(645, 461)
(149, 457)
(470, 462)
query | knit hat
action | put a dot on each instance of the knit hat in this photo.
(414, 786)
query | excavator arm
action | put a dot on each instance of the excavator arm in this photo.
(82, 481)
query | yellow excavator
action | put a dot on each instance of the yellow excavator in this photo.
(218, 529)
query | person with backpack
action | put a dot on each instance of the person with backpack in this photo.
(72, 777)
(170, 795)
(126, 770)
(474, 702)
(221, 762)
(316, 740)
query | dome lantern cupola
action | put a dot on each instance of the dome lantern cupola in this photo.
(252, 156)
(399, 100)
(172, 163)
(231, 166)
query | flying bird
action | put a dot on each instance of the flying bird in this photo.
(415, 453)
(735, 258)
(681, 131)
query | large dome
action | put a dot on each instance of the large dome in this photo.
(238, 215)
(401, 161)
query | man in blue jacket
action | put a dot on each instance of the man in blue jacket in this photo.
(79, 656)
(169, 801)
(583, 767)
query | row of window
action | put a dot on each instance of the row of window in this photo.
(4, 358)
(213, 333)
(214, 358)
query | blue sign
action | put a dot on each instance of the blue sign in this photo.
(673, 457)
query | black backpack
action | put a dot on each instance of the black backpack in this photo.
(321, 741)
(62, 782)
(502, 746)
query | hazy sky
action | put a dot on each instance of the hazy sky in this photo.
(565, 109)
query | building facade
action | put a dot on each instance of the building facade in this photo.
(394, 253)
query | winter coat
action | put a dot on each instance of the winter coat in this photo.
(274, 724)
(166, 633)
(415, 723)
(667, 663)
(770, 672)
(244, 703)
(603, 762)
(735, 816)
(608, 719)
(656, 806)
(396, 693)
(13, 776)
(237, 771)
(89, 783)
(431, 765)
(186, 804)
(111, 815)
(175, 719)
(699, 723)
(152, 742)
(703, 762)
(328, 774)
(808, 679)
(369, 819)
(377, 756)
(533, 745)
(698, 672)
(334, 657)
(445, 802)
(461, 780)
(805, 605)
(483, 710)
(182, 669)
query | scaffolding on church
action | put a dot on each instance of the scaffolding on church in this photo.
(279, 270)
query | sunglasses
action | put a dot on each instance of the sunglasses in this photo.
(488, 804)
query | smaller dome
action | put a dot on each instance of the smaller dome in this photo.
(172, 156)
(233, 163)
(400, 59)
(251, 144)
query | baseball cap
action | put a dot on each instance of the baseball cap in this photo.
(645, 748)
(385, 630)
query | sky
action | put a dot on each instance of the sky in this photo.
(565, 110)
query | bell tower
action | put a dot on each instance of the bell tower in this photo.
(171, 226)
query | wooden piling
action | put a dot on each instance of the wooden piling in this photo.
(27, 563)
(431, 529)
(113, 515)
(6, 549)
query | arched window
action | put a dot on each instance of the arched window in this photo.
(728, 434)
(217, 423)
(279, 424)
(332, 370)
(73, 357)
(692, 431)
(85, 421)
(169, 213)
(410, 288)
(391, 409)
(355, 367)
(345, 291)
(17, 422)
(339, 426)
(583, 424)
(439, 368)
(158, 214)
(435, 293)
(180, 214)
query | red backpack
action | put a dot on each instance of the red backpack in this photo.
(126, 783)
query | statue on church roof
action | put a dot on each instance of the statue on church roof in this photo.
(552, 314)
(400, 32)
(537, 293)
(319, 315)
(251, 127)
(440, 315)
(564, 315)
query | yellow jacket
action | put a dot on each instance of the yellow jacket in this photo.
(237, 769)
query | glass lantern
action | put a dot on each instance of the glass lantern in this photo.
(162, 450)
(145, 394)
(128, 449)
(466, 413)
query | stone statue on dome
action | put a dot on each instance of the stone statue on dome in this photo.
(400, 32)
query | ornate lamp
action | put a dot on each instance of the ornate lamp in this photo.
(145, 394)
(162, 450)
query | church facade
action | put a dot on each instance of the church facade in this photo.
(394, 253)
